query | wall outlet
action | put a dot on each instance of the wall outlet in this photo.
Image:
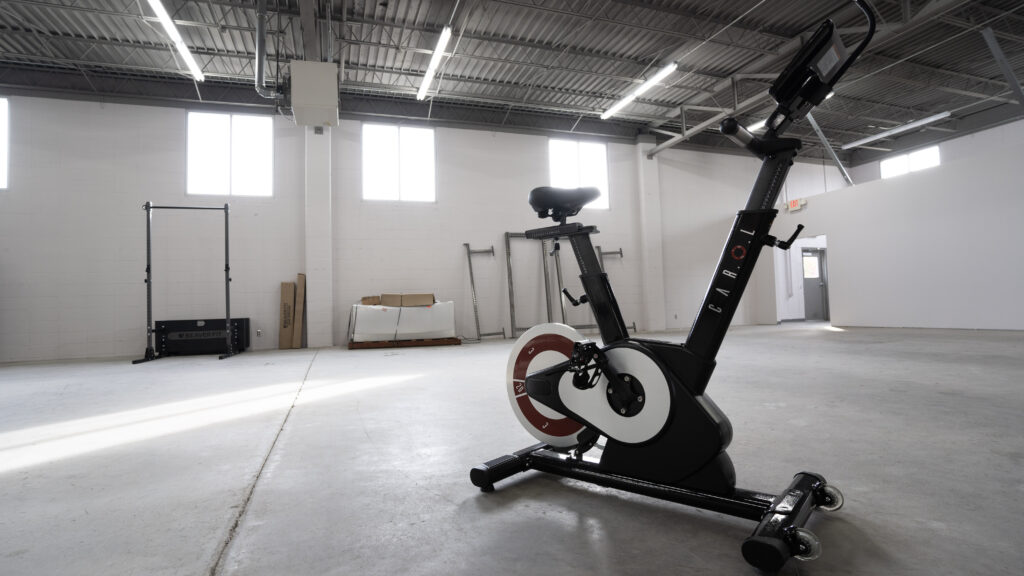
(259, 332)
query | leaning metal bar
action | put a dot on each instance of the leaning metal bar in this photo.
(472, 288)
(511, 291)
(602, 253)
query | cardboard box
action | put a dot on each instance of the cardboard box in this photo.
(374, 323)
(287, 315)
(390, 299)
(300, 310)
(417, 299)
(370, 300)
(427, 322)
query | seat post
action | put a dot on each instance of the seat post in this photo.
(598, 289)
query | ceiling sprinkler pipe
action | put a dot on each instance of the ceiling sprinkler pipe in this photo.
(261, 52)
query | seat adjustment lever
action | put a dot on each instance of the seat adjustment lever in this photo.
(583, 299)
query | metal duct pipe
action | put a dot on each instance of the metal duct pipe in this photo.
(261, 52)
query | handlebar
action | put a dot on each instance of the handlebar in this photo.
(805, 82)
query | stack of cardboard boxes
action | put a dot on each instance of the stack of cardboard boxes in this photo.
(402, 318)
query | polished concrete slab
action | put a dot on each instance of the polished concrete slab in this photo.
(356, 462)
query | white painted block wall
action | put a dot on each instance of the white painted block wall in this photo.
(72, 252)
(72, 232)
(931, 249)
(483, 180)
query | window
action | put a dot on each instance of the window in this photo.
(900, 165)
(810, 266)
(398, 163)
(574, 164)
(3, 143)
(230, 154)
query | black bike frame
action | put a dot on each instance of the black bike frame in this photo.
(749, 235)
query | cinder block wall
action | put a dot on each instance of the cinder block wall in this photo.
(72, 231)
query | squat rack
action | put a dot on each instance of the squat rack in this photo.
(150, 331)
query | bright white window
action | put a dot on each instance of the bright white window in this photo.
(398, 163)
(927, 158)
(897, 166)
(230, 154)
(904, 163)
(574, 164)
(4, 137)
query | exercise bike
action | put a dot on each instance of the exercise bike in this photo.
(662, 436)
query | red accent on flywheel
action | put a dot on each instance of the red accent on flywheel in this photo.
(542, 343)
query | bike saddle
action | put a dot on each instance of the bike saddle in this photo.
(560, 203)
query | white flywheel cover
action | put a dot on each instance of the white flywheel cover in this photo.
(538, 348)
(592, 404)
(544, 346)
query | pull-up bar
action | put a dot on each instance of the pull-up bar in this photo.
(150, 331)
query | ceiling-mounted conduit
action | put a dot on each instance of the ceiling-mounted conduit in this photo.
(261, 52)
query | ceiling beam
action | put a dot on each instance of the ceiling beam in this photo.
(775, 37)
(640, 27)
(124, 14)
(1004, 64)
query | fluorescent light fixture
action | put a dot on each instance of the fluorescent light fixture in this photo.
(428, 78)
(830, 94)
(897, 130)
(757, 126)
(617, 106)
(179, 43)
(647, 85)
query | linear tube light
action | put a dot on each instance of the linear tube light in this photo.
(435, 59)
(179, 43)
(897, 130)
(650, 83)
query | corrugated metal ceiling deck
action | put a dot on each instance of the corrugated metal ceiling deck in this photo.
(537, 64)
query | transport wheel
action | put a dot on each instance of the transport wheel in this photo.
(829, 499)
(541, 347)
(806, 545)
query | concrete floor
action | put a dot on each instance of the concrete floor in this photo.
(356, 462)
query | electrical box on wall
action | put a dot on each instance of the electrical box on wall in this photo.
(314, 90)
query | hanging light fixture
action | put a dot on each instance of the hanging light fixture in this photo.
(435, 60)
(650, 83)
(176, 39)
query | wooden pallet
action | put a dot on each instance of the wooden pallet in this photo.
(404, 343)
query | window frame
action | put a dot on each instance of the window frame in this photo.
(907, 164)
(603, 202)
(399, 174)
(229, 156)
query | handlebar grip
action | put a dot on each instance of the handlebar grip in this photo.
(736, 132)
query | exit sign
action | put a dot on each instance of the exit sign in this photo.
(794, 205)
